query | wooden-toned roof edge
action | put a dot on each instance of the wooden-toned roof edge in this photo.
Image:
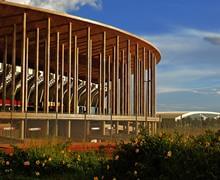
(63, 14)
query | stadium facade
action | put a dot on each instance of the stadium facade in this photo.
(62, 75)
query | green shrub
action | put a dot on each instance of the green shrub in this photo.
(163, 157)
(50, 162)
(145, 157)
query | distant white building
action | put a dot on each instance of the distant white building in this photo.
(202, 114)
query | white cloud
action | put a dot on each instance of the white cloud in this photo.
(196, 81)
(183, 74)
(187, 45)
(172, 90)
(62, 5)
(188, 74)
(188, 59)
(20, 1)
(215, 40)
(201, 91)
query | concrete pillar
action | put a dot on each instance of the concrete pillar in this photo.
(128, 127)
(150, 128)
(136, 126)
(69, 128)
(22, 129)
(56, 128)
(103, 128)
(116, 127)
(87, 128)
(47, 127)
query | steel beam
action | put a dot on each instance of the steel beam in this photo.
(100, 83)
(75, 94)
(57, 72)
(108, 85)
(37, 68)
(153, 86)
(88, 81)
(144, 102)
(13, 68)
(5, 71)
(69, 69)
(26, 75)
(139, 85)
(62, 79)
(136, 98)
(129, 76)
(103, 72)
(126, 88)
(47, 69)
(117, 94)
(113, 81)
(148, 84)
(24, 23)
(122, 82)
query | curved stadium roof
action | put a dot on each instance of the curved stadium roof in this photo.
(37, 17)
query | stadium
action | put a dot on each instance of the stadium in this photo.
(66, 76)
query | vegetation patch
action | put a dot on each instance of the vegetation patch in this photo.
(50, 162)
(166, 157)
(144, 157)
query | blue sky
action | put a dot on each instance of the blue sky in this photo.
(186, 31)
